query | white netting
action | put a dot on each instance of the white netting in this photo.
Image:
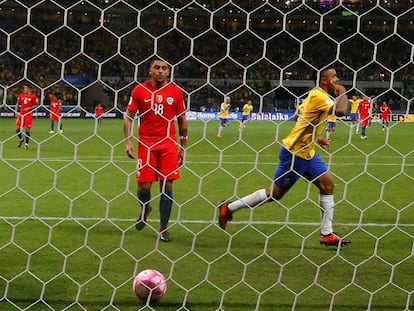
(68, 204)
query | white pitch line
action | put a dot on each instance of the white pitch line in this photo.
(115, 160)
(190, 221)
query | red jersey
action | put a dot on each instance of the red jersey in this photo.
(157, 110)
(364, 108)
(26, 103)
(385, 111)
(55, 106)
(98, 110)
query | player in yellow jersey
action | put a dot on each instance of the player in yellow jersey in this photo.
(356, 99)
(224, 115)
(246, 112)
(298, 157)
(331, 126)
(299, 111)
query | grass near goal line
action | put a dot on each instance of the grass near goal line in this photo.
(67, 240)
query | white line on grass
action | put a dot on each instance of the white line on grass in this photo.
(189, 221)
(116, 160)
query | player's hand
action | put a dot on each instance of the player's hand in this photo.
(323, 142)
(339, 89)
(181, 156)
(130, 150)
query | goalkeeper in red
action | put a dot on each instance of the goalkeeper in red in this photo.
(297, 157)
(158, 104)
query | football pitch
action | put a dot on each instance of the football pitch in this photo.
(68, 206)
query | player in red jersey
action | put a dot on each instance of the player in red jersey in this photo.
(99, 112)
(158, 104)
(26, 103)
(55, 113)
(385, 114)
(364, 109)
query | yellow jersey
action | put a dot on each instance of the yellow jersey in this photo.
(247, 109)
(355, 105)
(300, 109)
(310, 124)
(224, 110)
(331, 118)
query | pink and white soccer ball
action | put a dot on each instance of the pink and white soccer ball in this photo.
(150, 282)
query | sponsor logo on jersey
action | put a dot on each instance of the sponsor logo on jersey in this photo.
(170, 100)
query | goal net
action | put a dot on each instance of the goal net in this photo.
(68, 202)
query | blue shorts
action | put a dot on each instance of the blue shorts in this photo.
(354, 116)
(331, 125)
(224, 121)
(286, 175)
(245, 117)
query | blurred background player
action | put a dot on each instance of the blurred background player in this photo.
(55, 113)
(26, 103)
(385, 114)
(364, 109)
(99, 110)
(246, 113)
(354, 112)
(298, 157)
(224, 115)
(158, 104)
(331, 126)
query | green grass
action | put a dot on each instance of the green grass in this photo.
(68, 242)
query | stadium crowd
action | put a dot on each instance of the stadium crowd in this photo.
(257, 58)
